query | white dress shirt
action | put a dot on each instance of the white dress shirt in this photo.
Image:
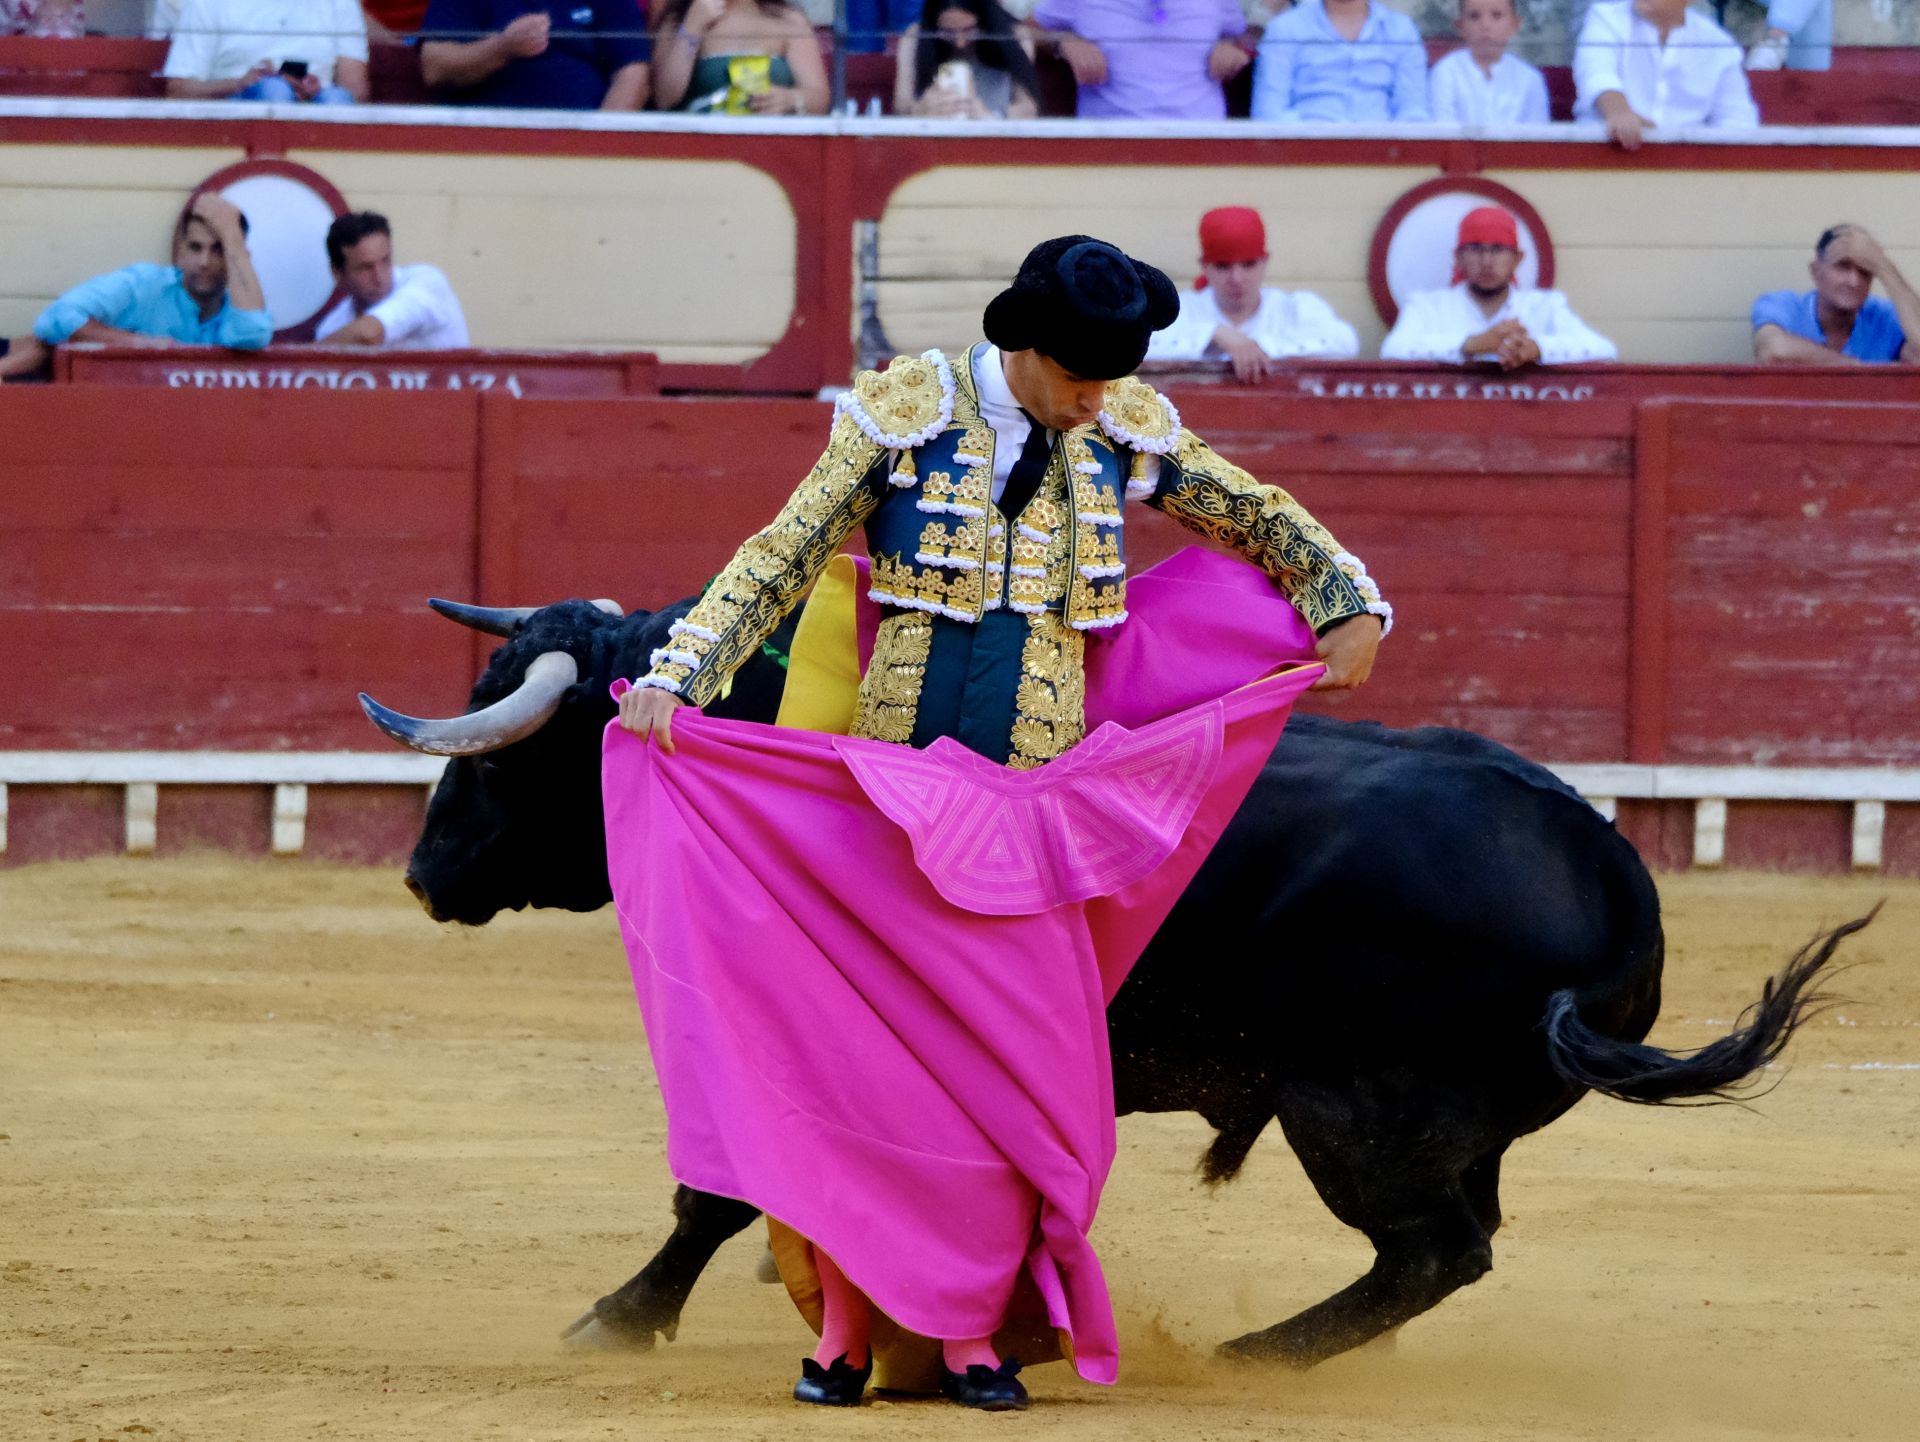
(224, 39)
(421, 312)
(1286, 324)
(1434, 324)
(1461, 93)
(1696, 78)
(1009, 423)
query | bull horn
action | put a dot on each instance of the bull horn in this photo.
(494, 620)
(500, 620)
(506, 721)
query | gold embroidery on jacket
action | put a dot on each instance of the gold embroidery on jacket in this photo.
(1050, 705)
(774, 567)
(1263, 523)
(890, 691)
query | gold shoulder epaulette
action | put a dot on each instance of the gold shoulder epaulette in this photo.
(905, 405)
(1137, 415)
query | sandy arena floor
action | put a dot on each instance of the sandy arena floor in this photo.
(283, 1160)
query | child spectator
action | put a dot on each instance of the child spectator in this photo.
(738, 57)
(962, 59)
(1351, 61)
(47, 19)
(537, 54)
(1480, 84)
(277, 50)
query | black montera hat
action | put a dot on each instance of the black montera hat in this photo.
(1084, 304)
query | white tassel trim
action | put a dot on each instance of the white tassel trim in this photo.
(958, 563)
(1100, 623)
(1100, 518)
(1029, 570)
(1367, 587)
(906, 603)
(1094, 573)
(993, 531)
(1086, 468)
(847, 404)
(1385, 613)
(1159, 447)
(1028, 608)
(948, 508)
(1140, 490)
(658, 683)
(961, 458)
(678, 658)
(699, 633)
(1033, 534)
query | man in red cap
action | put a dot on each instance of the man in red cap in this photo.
(1233, 315)
(1483, 316)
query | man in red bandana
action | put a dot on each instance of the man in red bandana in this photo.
(1483, 316)
(1233, 315)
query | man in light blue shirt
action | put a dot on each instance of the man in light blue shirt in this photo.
(208, 296)
(1351, 61)
(1839, 321)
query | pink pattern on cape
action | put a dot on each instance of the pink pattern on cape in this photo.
(874, 979)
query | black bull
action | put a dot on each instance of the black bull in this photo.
(1410, 947)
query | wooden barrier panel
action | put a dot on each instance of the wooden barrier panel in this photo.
(580, 374)
(183, 571)
(1792, 603)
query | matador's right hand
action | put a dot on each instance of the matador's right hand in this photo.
(648, 711)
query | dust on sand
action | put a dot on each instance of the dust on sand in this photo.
(283, 1160)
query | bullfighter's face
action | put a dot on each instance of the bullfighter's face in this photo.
(1052, 394)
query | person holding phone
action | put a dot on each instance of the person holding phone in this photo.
(282, 51)
(961, 60)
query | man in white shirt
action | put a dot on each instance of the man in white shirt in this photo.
(275, 50)
(1642, 64)
(1484, 317)
(1480, 83)
(386, 305)
(1233, 315)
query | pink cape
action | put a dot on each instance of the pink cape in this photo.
(874, 979)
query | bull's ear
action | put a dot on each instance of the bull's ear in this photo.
(494, 620)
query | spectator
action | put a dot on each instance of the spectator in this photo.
(208, 296)
(1233, 315)
(47, 19)
(386, 304)
(1839, 321)
(1483, 316)
(1799, 35)
(962, 59)
(25, 355)
(538, 54)
(739, 57)
(1480, 84)
(1341, 60)
(1148, 59)
(870, 22)
(1642, 64)
(278, 50)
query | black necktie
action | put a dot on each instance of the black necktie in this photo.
(1027, 473)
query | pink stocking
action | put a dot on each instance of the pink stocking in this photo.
(971, 1352)
(847, 1316)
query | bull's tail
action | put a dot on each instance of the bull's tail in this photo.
(1722, 1071)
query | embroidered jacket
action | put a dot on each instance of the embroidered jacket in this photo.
(910, 458)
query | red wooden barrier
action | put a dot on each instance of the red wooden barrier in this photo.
(517, 373)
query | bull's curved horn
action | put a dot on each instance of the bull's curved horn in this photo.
(500, 620)
(506, 721)
(494, 620)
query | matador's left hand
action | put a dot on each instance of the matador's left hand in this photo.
(1348, 650)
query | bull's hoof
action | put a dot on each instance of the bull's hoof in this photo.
(593, 1331)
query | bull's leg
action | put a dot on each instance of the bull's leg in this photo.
(651, 1301)
(1385, 1164)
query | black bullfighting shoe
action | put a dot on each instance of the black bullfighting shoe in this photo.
(834, 1385)
(990, 1389)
